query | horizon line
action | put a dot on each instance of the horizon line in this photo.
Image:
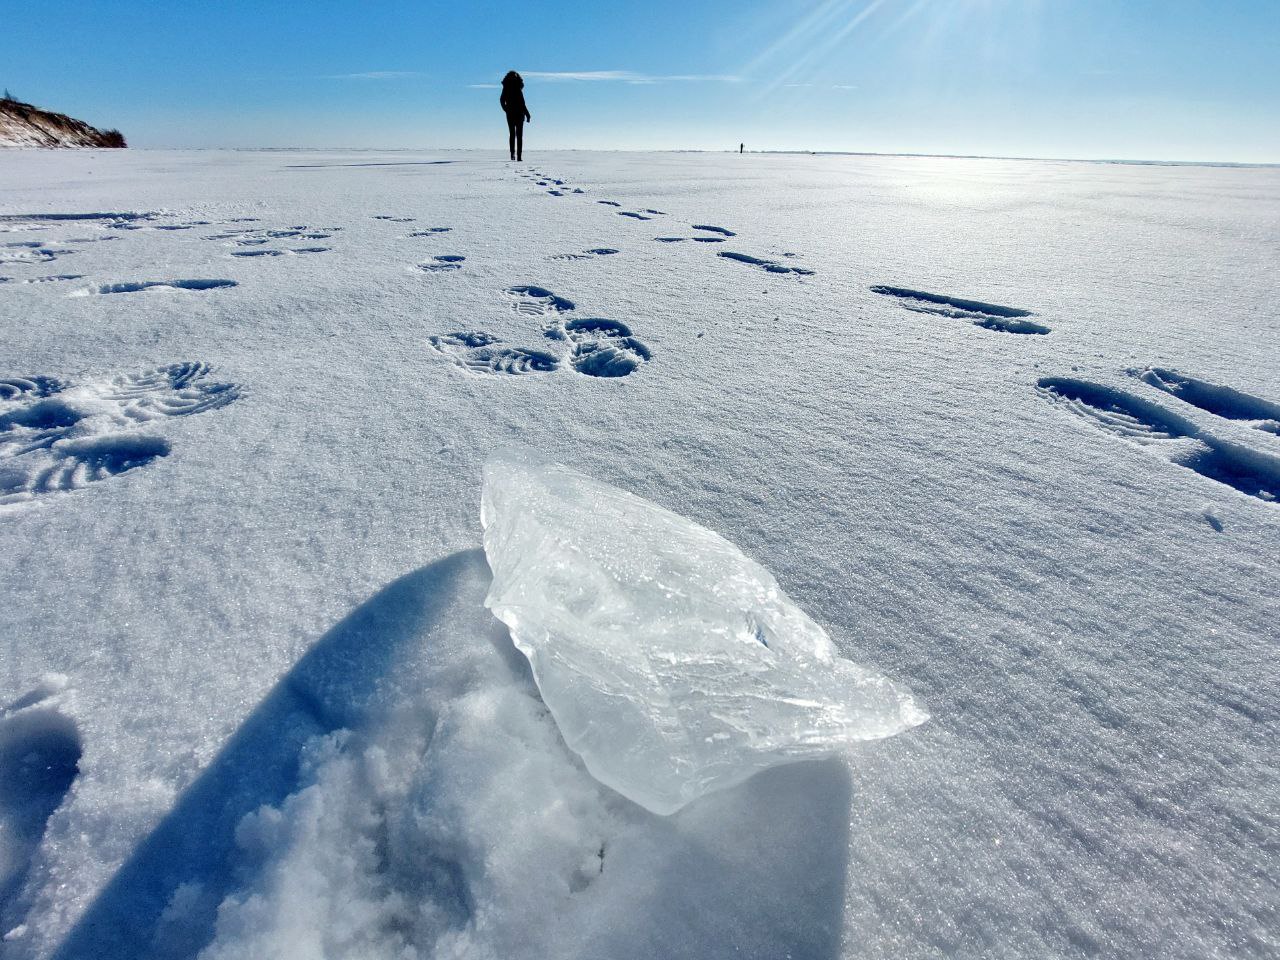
(1122, 161)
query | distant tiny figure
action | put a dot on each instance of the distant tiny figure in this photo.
(741, 147)
(513, 106)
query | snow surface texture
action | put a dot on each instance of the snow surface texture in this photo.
(673, 664)
(285, 724)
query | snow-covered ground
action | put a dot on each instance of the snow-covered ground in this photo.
(253, 690)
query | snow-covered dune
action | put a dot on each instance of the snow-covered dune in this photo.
(1005, 430)
(24, 125)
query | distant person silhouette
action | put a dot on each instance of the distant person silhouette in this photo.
(741, 147)
(513, 106)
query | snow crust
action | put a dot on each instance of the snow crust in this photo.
(673, 664)
(250, 697)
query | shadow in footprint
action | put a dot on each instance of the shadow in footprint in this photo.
(39, 757)
(476, 352)
(601, 347)
(513, 361)
(1248, 471)
(767, 265)
(339, 683)
(1114, 410)
(531, 301)
(442, 263)
(612, 357)
(40, 452)
(141, 285)
(990, 316)
(1251, 472)
(1221, 401)
(83, 461)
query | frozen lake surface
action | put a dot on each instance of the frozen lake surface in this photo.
(1007, 430)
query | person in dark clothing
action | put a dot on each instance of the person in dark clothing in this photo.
(512, 100)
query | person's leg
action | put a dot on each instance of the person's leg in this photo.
(520, 139)
(511, 136)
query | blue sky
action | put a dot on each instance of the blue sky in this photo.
(1135, 79)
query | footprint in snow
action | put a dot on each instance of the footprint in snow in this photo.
(13, 222)
(537, 302)
(23, 253)
(146, 224)
(1159, 430)
(597, 347)
(138, 286)
(1221, 401)
(633, 215)
(602, 348)
(586, 254)
(710, 229)
(592, 346)
(768, 265)
(442, 263)
(478, 352)
(259, 236)
(278, 253)
(989, 316)
(54, 278)
(40, 750)
(57, 437)
(430, 231)
(388, 217)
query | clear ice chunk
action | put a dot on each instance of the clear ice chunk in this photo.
(673, 664)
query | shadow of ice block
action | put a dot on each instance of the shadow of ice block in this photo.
(673, 664)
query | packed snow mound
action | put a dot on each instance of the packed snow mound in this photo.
(672, 663)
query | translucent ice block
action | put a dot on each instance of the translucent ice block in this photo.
(672, 663)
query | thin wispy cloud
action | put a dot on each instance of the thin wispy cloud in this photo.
(484, 86)
(621, 76)
(820, 86)
(374, 75)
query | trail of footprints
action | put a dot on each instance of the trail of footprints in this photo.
(25, 252)
(592, 346)
(248, 238)
(45, 447)
(57, 437)
(704, 232)
(1121, 413)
